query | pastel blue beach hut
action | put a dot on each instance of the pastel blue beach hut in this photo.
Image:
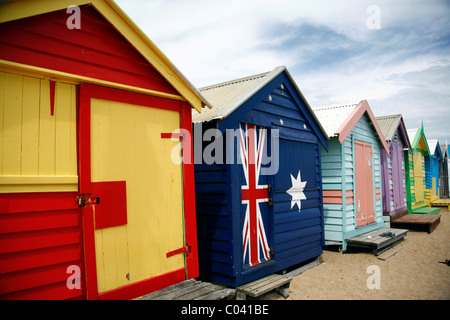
(351, 171)
(259, 202)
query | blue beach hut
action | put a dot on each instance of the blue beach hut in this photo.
(432, 171)
(257, 179)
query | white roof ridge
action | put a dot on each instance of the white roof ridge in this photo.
(239, 80)
(335, 106)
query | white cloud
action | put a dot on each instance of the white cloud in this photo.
(334, 57)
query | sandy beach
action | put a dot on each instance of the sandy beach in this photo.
(411, 271)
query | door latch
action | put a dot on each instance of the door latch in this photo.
(85, 200)
(186, 250)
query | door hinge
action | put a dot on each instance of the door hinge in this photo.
(186, 250)
(85, 200)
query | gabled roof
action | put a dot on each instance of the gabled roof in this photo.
(417, 135)
(435, 148)
(389, 126)
(444, 148)
(15, 10)
(339, 121)
(228, 96)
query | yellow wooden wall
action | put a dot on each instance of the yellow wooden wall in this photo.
(38, 151)
(126, 145)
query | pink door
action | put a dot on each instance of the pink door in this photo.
(365, 212)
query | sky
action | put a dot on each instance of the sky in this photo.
(393, 53)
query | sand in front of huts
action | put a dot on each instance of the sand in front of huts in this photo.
(412, 270)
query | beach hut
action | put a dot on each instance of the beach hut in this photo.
(393, 166)
(91, 204)
(351, 172)
(415, 172)
(259, 202)
(443, 173)
(432, 171)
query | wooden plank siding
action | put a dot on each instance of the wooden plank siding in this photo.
(338, 175)
(96, 50)
(40, 237)
(394, 198)
(212, 197)
(38, 151)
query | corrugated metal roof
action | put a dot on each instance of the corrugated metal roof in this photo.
(332, 117)
(227, 96)
(389, 125)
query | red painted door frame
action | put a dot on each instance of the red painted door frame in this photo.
(86, 92)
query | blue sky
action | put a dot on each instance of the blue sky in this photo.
(401, 67)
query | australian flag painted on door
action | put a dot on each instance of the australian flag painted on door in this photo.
(262, 212)
(254, 194)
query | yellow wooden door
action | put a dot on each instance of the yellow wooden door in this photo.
(126, 145)
(418, 177)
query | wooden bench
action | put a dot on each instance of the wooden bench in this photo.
(261, 286)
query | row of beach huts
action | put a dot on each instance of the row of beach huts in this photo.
(93, 204)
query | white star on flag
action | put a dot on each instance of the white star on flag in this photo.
(296, 191)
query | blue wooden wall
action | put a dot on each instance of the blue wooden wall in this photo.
(432, 171)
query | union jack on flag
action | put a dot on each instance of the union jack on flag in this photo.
(255, 245)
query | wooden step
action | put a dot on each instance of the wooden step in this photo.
(191, 290)
(261, 286)
(426, 210)
(375, 241)
(411, 221)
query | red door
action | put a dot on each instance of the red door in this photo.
(365, 212)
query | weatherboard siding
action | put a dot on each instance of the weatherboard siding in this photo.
(338, 175)
(293, 236)
(393, 174)
(96, 50)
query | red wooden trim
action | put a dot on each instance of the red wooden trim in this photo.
(84, 174)
(52, 97)
(172, 135)
(135, 98)
(89, 254)
(189, 194)
(186, 250)
(143, 287)
(346, 127)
